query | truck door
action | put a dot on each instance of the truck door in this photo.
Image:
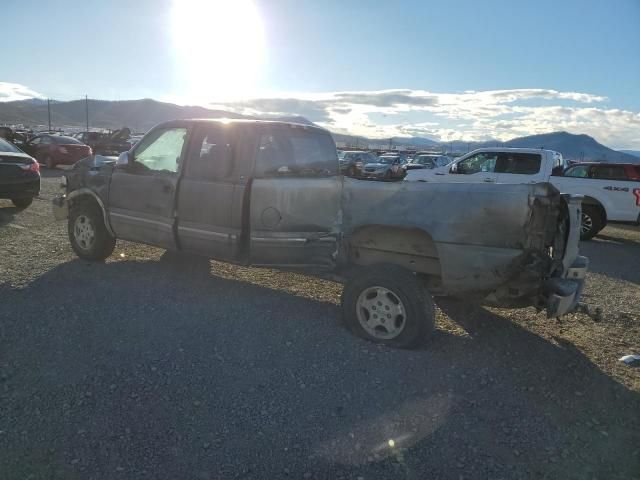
(513, 167)
(294, 213)
(478, 168)
(206, 195)
(142, 193)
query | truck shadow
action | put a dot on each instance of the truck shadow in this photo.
(614, 256)
(166, 367)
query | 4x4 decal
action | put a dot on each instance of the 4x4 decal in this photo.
(616, 189)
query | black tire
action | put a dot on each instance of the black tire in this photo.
(22, 202)
(418, 321)
(96, 247)
(592, 222)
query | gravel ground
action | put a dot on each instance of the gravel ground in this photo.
(148, 366)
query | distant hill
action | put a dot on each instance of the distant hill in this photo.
(364, 142)
(139, 115)
(635, 153)
(575, 147)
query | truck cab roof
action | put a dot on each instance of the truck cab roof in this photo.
(514, 150)
(238, 121)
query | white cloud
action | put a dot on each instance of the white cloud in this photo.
(470, 115)
(10, 92)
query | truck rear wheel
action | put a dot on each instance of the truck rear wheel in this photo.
(592, 222)
(388, 305)
(88, 234)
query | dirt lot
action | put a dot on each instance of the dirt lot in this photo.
(151, 367)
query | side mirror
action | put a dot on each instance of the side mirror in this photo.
(123, 159)
(454, 168)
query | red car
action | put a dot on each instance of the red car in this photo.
(53, 150)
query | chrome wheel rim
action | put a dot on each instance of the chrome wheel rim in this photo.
(83, 232)
(587, 223)
(381, 313)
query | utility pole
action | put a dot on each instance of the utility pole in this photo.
(468, 147)
(49, 112)
(86, 110)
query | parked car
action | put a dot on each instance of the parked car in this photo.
(54, 150)
(271, 194)
(385, 167)
(605, 199)
(427, 160)
(19, 175)
(353, 162)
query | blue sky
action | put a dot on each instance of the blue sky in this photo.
(568, 64)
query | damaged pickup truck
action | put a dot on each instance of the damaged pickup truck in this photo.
(271, 194)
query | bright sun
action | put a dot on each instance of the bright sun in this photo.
(218, 47)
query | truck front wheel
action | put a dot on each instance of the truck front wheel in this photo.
(592, 222)
(388, 305)
(88, 234)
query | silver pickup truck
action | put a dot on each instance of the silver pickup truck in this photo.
(271, 194)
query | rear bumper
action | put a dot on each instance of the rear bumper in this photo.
(564, 293)
(20, 188)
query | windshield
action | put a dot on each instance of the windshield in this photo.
(8, 147)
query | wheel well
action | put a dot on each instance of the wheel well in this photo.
(411, 248)
(595, 203)
(91, 199)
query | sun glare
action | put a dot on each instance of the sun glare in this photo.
(218, 47)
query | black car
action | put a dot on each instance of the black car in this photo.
(19, 175)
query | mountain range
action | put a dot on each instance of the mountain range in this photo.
(141, 115)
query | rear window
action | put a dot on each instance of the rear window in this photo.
(609, 173)
(293, 151)
(8, 147)
(65, 140)
(518, 163)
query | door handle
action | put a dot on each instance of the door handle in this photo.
(489, 180)
(167, 188)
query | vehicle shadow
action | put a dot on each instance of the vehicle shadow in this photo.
(166, 367)
(7, 212)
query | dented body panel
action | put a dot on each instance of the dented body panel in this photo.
(515, 244)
